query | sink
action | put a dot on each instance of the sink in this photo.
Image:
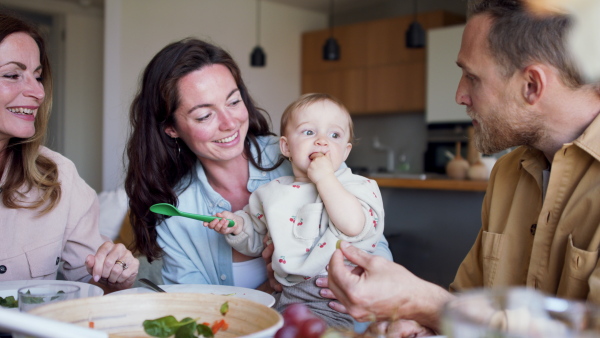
(407, 176)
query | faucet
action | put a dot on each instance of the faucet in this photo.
(390, 154)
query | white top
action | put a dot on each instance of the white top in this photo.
(296, 219)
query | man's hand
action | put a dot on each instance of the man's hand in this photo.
(399, 328)
(383, 290)
(323, 282)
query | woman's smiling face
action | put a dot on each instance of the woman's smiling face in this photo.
(212, 118)
(21, 89)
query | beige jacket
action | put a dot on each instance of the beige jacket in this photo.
(550, 245)
(31, 247)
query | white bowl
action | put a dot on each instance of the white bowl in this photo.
(123, 315)
(250, 294)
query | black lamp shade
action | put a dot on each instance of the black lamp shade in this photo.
(258, 57)
(415, 36)
(331, 50)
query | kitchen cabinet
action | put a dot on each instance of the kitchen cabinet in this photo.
(432, 184)
(431, 231)
(443, 76)
(376, 73)
(346, 84)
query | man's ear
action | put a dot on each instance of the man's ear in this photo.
(283, 146)
(348, 148)
(171, 132)
(536, 80)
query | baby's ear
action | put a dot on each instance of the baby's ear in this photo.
(284, 147)
(347, 152)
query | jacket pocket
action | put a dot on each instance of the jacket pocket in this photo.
(491, 248)
(308, 221)
(578, 267)
(43, 258)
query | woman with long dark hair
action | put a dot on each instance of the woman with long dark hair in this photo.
(199, 142)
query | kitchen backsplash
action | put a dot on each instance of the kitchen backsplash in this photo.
(405, 134)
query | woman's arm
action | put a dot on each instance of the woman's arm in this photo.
(111, 266)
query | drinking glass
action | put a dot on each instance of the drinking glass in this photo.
(518, 313)
(35, 295)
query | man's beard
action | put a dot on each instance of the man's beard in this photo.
(497, 132)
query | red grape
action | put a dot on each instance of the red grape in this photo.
(287, 332)
(313, 328)
(295, 314)
(299, 321)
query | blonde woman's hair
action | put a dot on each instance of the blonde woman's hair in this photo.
(24, 167)
(311, 98)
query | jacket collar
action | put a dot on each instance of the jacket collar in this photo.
(589, 140)
(533, 160)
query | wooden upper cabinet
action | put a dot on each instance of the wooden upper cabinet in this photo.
(387, 43)
(376, 73)
(347, 85)
(353, 52)
(395, 88)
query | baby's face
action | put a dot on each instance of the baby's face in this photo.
(320, 127)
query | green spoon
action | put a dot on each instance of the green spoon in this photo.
(169, 210)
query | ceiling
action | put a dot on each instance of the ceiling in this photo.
(324, 5)
(312, 5)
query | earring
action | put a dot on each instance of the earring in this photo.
(178, 148)
(290, 159)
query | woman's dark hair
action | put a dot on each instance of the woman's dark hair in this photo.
(27, 167)
(157, 162)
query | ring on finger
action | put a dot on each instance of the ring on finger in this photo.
(122, 264)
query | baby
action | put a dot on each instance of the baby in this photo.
(306, 214)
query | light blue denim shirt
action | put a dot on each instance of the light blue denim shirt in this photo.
(198, 255)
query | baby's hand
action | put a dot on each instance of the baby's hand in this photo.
(320, 166)
(222, 225)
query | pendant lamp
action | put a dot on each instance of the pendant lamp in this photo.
(331, 49)
(415, 35)
(258, 57)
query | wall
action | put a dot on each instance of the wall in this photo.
(78, 85)
(405, 133)
(83, 108)
(394, 8)
(133, 36)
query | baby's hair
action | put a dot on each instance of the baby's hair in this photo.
(308, 99)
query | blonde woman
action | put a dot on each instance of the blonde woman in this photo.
(48, 213)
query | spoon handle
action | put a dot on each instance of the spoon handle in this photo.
(203, 218)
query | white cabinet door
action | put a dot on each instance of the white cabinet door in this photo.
(443, 75)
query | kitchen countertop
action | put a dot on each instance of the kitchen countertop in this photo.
(434, 183)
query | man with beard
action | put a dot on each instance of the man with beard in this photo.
(540, 214)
